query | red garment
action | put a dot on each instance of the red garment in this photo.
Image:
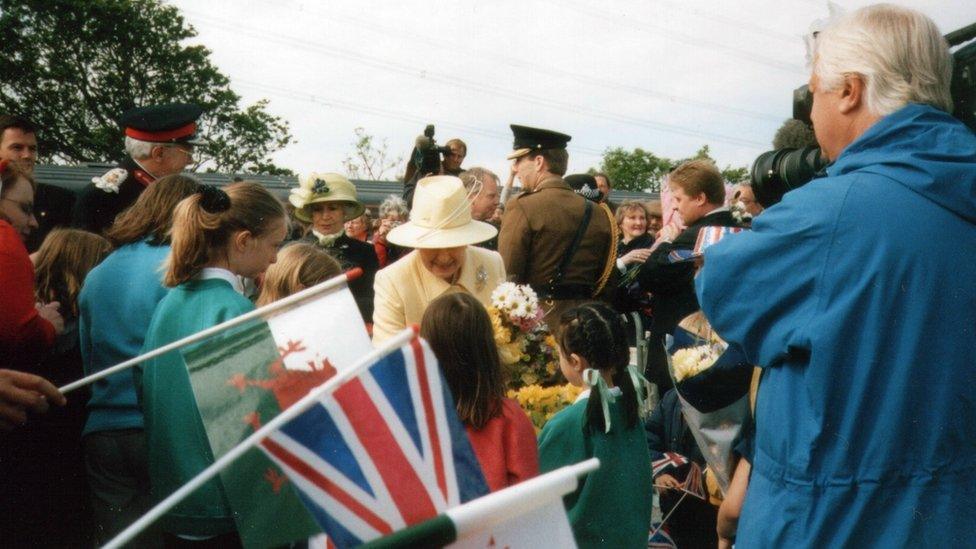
(379, 244)
(506, 447)
(22, 330)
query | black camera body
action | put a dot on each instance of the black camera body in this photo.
(775, 173)
(427, 155)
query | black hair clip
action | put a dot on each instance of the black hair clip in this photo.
(213, 200)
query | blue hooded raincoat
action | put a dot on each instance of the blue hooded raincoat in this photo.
(857, 294)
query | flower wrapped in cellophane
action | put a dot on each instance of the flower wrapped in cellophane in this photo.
(712, 380)
(525, 346)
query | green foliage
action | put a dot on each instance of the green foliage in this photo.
(73, 66)
(636, 170)
(370, 160)
(641, 170)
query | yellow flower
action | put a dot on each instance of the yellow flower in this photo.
(692, 361)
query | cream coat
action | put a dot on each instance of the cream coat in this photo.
(405, 288)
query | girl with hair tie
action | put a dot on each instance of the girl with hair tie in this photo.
(611, 507)
(218, 237)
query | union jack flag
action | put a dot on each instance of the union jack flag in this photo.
(670, 459)
(383, 451)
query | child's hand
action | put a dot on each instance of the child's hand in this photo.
(666, 482)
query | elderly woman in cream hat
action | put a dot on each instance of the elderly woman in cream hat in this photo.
(327, 201)
(442, 232)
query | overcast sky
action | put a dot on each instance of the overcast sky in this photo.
(665, 75)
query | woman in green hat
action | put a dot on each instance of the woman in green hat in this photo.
(327, 201)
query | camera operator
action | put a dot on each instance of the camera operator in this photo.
(429, 159)
(856, 296)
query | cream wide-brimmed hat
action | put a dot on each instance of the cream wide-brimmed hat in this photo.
(325, 187)
(441, 217)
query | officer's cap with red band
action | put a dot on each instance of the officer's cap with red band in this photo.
(170, 123)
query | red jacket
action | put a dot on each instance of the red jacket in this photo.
(22, 330)
(506, 447)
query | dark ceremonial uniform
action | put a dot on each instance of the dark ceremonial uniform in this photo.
(351, 253)
(672, 288)
(97, 207)
(110, 194)
(52, 208)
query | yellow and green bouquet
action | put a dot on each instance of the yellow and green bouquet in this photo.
(525, 346)
(541, 403)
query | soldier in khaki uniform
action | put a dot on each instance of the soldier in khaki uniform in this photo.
(552, 238)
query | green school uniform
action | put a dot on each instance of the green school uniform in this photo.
(611, 507)
(177, 442)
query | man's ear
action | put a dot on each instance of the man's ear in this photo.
(852, 93)
(540, 163)
(157, 152)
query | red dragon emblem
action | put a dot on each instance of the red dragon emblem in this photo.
(288, 387)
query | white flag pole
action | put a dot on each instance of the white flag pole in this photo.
(279, 421)
(267, 310)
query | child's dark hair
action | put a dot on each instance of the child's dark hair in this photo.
(457, 327)
(594, 331)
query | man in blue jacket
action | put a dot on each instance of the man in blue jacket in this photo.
(856, 295)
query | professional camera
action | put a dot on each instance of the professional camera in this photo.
(774, 173)
(426, 153)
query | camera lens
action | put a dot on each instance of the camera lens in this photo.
(774, 173)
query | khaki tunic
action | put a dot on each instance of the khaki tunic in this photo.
(536, 233)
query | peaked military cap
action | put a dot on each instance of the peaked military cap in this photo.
(169, 123)
(531, 139)
(585, 185)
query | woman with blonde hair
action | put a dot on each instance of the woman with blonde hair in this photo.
(115, 307)
(300, 265)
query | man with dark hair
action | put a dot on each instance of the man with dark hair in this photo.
(159, 141)
(605, 186)
(52, 205)
(794, 134)
(699, 197)
(561, 244)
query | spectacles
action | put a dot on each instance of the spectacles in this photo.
(189, 153)
(26, 207)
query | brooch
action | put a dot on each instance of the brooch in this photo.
(319, 186)
(481, 277)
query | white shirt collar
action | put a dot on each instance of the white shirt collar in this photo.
(615, 391)
(223, 274)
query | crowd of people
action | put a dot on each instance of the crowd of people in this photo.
(862, 429)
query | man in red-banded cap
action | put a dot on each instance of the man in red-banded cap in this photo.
(159, 141)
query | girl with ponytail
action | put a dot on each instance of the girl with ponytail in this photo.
(218, 236)
(611, 506)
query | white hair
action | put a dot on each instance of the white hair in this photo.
(900, 54)
(139, 149)
(394, 205)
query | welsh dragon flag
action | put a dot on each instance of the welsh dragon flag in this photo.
(247, 375)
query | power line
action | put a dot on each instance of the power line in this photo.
(479, 87)
(539, 68)
(688, 39)
(387, 113)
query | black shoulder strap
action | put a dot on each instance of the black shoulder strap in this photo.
(557, 277)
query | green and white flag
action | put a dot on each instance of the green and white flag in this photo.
(244, 376)
(529, 514)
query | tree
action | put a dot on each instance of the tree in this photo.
(73, 66)
(636, 170)
(369, 160)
